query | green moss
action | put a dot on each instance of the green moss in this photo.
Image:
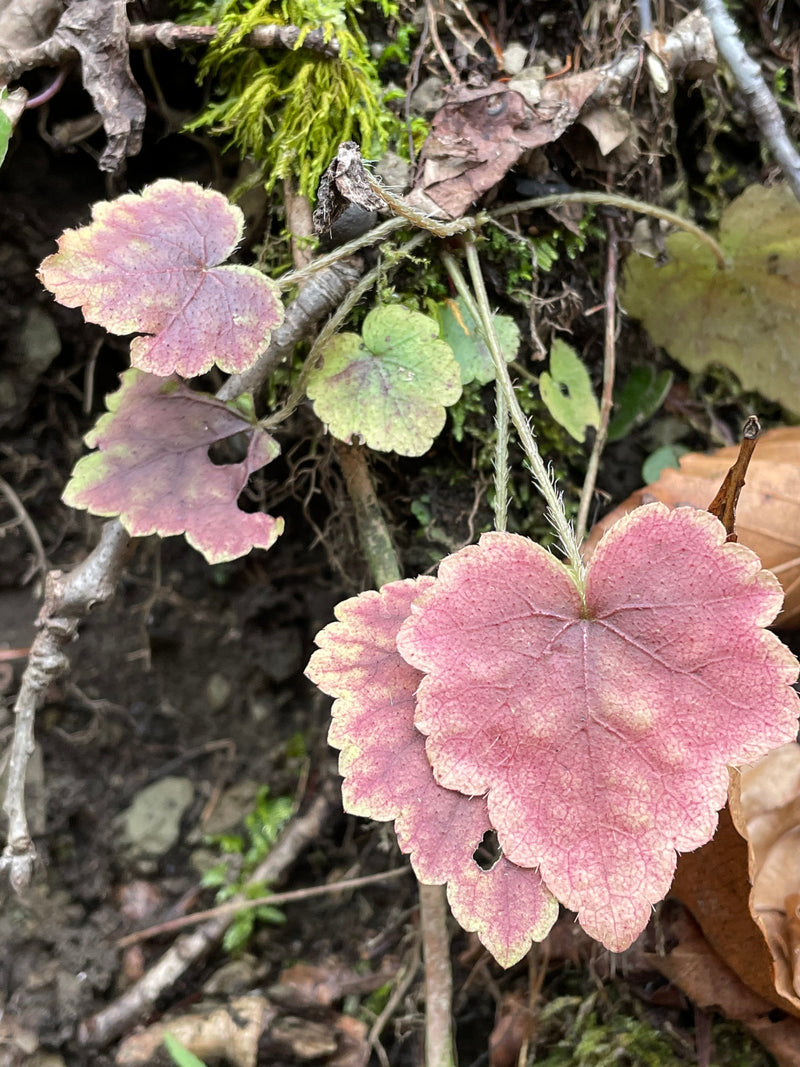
(290, 110)
(609, 1028)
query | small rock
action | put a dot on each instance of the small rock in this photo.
(428, 97)
(152, 824)
(394, 172)
(514, 58)
(218, 692)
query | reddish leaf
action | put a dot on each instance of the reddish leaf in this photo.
(387, 775)
(149, 264)
(153, 471)
(600, 733)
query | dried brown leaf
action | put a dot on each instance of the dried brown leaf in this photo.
(768, 513)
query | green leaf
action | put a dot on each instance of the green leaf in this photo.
(390, 386)
(238, 933)
(658, 461)
(180, 1054)
(6, 129)
(744, 317)
(462, 333)
(567, 391)
(642, 395)
(269, 914)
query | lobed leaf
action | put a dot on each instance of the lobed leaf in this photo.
(389, 386)
(152, 467)
(387, 774)
(149, 264)
(600, 731)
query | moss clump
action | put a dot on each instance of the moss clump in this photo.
(290, 110)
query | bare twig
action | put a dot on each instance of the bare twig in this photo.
(609, 364)
(55, 51)
(68, 598)
(235, 907)
(27, 525)
(100, 1029)
(750, 80)
(169, 35)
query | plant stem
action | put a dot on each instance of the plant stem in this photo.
(373, 533)
(606, 400)
(501, 471)
(751, 81)
(439, 1051)
(556, 514)
(626, 203)
(376, 543)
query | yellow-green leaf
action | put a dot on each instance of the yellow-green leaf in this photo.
(744, 317)
(567, 391)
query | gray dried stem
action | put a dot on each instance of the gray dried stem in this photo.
(760, 100)
(68, 599)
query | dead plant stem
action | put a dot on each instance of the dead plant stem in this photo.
(236, 907)
(606, 400)
(750, 80)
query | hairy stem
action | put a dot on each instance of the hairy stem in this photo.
(625, 203)
(479, 307)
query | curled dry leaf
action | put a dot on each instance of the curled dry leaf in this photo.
(479, 135)
(692, 964)
(743, 887)
(767, 812)
(768, 514)
(98, 31)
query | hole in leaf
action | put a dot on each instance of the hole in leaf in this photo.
(563, 388)
(488, 851)
(229, 450)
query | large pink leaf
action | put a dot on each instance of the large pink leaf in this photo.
(600, 732)
(149, 264)
(387, 775)
(152, 467)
